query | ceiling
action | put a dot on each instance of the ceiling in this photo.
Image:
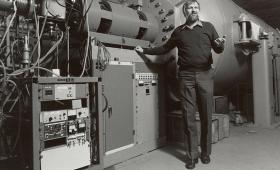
(268, 10)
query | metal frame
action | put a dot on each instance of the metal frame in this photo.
(119, 40)
(36, 105)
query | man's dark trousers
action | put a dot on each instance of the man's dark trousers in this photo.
(197, 87)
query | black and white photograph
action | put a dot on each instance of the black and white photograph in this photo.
(139, 84)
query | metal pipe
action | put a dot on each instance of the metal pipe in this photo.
(26, 52)
(244, 31)
(262, 86)
(8, 41)
(9, 25)
(277, 98)
(68, 51)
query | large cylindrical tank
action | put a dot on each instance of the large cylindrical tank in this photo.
(232, 66)
(115, 19)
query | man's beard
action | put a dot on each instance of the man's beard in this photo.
(193, 18)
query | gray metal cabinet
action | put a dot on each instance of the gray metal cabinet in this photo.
(119, 117)
(147, 111)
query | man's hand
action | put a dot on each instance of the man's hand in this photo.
(139, 49)
(220, 41)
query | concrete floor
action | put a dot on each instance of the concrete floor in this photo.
(247, 148)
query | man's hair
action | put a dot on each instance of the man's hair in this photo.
(189, 2)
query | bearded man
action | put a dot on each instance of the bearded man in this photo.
(194, 41)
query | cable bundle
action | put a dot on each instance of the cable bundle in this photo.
(103, 56)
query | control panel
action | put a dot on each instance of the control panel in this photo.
(147, 81)
(82, 113)
(64, 123)
(79, 139)
(63, 91)
(55, 130)
(147, 110)
(65, 126)
(53, 116)
(146, 76)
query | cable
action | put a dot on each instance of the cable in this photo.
(69, 15)
(19, 123)
(9, 95)
(85, 57)
(88, 9)
(65, 5)
(87, 48)
(15, 87)
(39, 38)
(68, 49)
(37, 33)
(8, 28)
(21, 71)
(47, 8)
(60, 3)
(47, 70)
(12, 52)
(2, 115)
(52, 48)
(4, 70)
(12, 106)
(2, 49)
(84, 15)
(41, 68)
(106, 103)
(103, 59)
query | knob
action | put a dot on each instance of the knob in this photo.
(157, 4)
(164, 19)
(170, 12)
(161, 11)
(168, 28)
(164, 38)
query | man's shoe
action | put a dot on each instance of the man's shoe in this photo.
(205, 159)
(190, 163)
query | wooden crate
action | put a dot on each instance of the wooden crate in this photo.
(175, 128)
(223, 125)
(215, 129)
(221, 104)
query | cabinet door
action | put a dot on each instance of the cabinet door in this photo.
(119, 117)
